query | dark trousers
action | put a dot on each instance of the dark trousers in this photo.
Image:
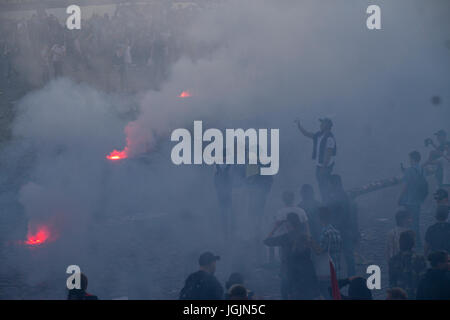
(414, 210)
(348, 251)
(58, 69)
(225, 209)
(284, 287)
(324, 287)
(323, 180)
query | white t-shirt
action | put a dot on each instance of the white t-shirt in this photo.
(331, 143)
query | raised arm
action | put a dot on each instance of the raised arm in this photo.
(303, 130)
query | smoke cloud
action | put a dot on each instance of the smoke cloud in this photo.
(127, 222)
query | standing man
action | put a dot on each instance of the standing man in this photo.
(414, 192)
(311, 207)
(258, 187)
(406, 267)
(324, 152)
(58, 52)
(435, 284)
(438, 156)
(437, 236)
(223, 186)
(441, 197)
(203, 285)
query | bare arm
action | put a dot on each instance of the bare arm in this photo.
(275, 228)
(303, 130)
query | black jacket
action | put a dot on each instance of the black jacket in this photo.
(434, 285)
(201, 285)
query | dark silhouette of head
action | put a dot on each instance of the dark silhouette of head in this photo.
(403, 218)
(237, 292)
(207, 262)
(439, 260)
(358, 290)
(396, 294)
(235, 278)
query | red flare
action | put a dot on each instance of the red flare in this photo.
(185, 94)
(41, 236)
(117, 155)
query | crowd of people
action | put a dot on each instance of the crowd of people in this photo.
(317, 240)
(314, 234)
(314, 241)
(129, 50)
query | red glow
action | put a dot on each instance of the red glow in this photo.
(117, 155)
(41, 236)
(185, 94)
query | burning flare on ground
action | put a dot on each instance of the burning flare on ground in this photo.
(118, 155)
(41, 236)
(185, 94)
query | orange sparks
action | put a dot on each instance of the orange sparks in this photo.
(117, 155)
(185, 94)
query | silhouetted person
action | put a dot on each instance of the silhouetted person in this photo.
(203, 285)
(437, 236)
(237, 292)
(435, 284)
(441, 198)
(311, 207)
(396, 294)
(298, 277)
(436, 156)
(329, 246)
(403, 223)
(324, 152)
(223, 186)
(357, 289)
(414, 192)
(258, 187)
(81, 294)
(343, 220)
(236, 279)
(406, 267)
(288, 201)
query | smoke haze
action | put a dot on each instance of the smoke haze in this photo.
(126, 222)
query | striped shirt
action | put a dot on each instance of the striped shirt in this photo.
(330, 240)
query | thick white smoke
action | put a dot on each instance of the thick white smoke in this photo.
(272, 62)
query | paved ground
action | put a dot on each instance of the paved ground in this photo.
(154, 267)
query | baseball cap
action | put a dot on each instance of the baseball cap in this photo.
(327, 121)
(440, 194)
(441, 133)
(206, 258)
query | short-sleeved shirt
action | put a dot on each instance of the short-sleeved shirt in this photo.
(438, 236)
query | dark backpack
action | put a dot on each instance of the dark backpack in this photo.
(194, 287)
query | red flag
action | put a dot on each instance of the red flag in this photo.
(335, 292)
